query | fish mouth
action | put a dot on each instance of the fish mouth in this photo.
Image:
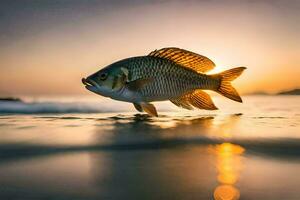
(89, 83)
(86, 82)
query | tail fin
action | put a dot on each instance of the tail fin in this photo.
(225, 87)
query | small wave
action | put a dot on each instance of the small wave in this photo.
(269, 117)
(54, 108)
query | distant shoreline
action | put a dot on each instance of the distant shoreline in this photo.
(11, 99)
(290, 92)
(287, 92)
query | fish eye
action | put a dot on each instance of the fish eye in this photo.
(103, 76)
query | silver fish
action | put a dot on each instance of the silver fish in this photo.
(171, 74)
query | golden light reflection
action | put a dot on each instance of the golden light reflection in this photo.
(166, 124)
(229, 165)
(226, 192)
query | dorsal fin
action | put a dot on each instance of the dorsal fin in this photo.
(185, 58)
(196, 98)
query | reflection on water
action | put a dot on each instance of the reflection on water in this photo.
(141, 131)
(127, 156)
(167, 171)
(229, 166)
(228, 163)
(226, 192)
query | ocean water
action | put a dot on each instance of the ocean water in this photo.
(79, 148)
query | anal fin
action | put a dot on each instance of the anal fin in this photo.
(202, 100)
(182, 102)
(196, 98)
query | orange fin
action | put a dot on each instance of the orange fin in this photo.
(225, 87)
(182, 102)
(185, 58)
(149, 108)
(196, 98)
(202, 100)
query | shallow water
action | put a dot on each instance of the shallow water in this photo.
(91, 151)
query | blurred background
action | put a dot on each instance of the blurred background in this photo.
(48, 46)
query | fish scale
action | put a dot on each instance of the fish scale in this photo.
(169, 79)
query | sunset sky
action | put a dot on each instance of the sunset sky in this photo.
(46, 47)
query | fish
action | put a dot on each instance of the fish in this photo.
(171, 73)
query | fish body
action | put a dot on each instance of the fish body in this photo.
(167, 74)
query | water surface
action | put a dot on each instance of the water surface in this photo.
(83, 150)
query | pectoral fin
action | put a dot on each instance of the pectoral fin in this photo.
(149, 108)
(125, 71)
(138, 107)
(138, 84)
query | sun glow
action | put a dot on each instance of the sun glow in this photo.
(76, 48)
(218, 69)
